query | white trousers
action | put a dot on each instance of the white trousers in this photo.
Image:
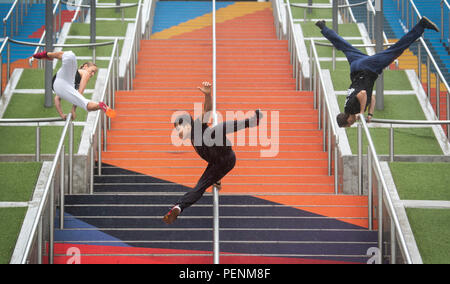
(64, 85)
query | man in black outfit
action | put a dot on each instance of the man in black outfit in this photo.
(364, 69)
(212, 145)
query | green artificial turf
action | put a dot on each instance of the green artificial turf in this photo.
(345, 30)
(397, 107)
(21, 139)
(11, 220)
(431, 228)
(422, 181)
(408, 141)
(104, 51)
(103, 28)
(112, 13)
(32, 106)
(394, 80)
(18, 180)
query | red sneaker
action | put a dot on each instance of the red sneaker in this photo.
(41, 55)
(108, 111)
(170, 217)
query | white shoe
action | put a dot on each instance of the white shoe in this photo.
(30, 61)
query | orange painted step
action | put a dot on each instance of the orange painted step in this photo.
(229, 85)
(223, 99)
(190, 159)
(165, 139)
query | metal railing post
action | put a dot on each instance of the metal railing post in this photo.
(391, 143)
(360, 170)
(216, 237)
(38, 144)
(62, 186)
(71, 137)
(370, 188)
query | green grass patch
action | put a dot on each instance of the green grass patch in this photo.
(398, 107)
(111, 13)
(394, 80)
(87, 51)
(18, 180)
(104, 28)
(407, 141)
(431, 228)
(422, 181)
(299, 13)
(32, 106)
(21, 139)
(345, 30)
(11, 220)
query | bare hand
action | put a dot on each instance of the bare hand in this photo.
(206, 88)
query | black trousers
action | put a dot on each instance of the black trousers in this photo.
(214, 172)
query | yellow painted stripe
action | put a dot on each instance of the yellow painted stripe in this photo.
(224, 14)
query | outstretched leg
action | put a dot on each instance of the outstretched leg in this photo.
(341, 44)
(213, 173)
(379, 61)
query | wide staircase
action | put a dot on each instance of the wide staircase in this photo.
(276, 206)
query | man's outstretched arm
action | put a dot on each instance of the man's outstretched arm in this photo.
(208, 105)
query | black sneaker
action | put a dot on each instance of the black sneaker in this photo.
(321, 24)
(428, 24)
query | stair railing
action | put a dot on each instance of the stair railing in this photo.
(57, 29)
(411, 16)
(216, 225)
(14, 17)
(39, 235)
(326, 117)
(344, 7)
(108, 97)
(102, 123)
(445, 26)
(387, 225)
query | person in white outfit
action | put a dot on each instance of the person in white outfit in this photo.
(70, 82)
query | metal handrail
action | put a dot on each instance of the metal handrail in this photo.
(445, 3)
(410, 122)
(55, 10)
(8, 15)
(48, 197)
(383, 194)
(7, 41)
(216, 227)
(102, 6)
(62, 45)
(30, 120)
(326, 6)
(325, 116)
(404, 122)
(430, 60)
